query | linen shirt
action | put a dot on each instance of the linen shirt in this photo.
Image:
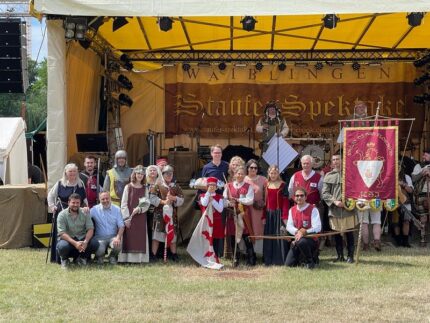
(315, 221)
(74, 227)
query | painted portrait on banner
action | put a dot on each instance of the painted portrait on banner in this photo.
(370, 166)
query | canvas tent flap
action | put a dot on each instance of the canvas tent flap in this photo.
(13, 151)
(223, 7)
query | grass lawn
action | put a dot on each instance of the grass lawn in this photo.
(390, 286)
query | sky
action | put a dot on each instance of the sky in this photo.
(37, 41)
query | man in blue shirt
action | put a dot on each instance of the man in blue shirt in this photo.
(216, 168)
(109, 228)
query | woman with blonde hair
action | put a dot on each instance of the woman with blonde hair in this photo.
(275, 218)
(58, 198)
(235, 162)
(240, 196)
(153, 177)
(135, 246)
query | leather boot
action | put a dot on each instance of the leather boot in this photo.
(365, 246)
(339, 248)
(251, 256)
(405, 241)
(377, 245)
(398, 240)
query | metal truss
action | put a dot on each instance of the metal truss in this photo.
(275, 56)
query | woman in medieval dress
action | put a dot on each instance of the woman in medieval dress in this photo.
(276, 215)
(135, 247)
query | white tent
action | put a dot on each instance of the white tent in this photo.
(13, 151)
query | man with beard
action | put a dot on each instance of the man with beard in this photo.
(75, 233)
(109, 228)
(117, 177)
(89, 178)
(421, 179)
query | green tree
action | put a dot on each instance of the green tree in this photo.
(35, 97)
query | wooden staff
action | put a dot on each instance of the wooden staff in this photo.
(312, 235)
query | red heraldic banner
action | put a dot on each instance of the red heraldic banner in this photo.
(370, 163)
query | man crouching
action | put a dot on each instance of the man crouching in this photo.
(75, 233)
(303, 219)
(109, 228)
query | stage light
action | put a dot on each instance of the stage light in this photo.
(422, 61)
(330, 21)
(414, 18)
(126, 62)
(119, 22)
(186, 67)
(75, 27)
(422, 79)
(85, 43)
(125, 82)
(248, 23)
(259, 66)
(222, 66)
(96, 22)
(113, 66)
(356, 66)
(319, 66)
(124, 99)
(282, 67)
(165, 23)
(421, 99)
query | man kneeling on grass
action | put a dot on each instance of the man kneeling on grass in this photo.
(75, 232)
(109, 228)
(303, 219)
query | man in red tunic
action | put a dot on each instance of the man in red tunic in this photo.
(303, 219)
(308, 179)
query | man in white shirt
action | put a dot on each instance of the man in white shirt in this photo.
(303, 219)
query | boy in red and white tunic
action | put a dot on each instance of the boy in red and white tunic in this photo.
(303, 219)
(217, 202)
(205, 245)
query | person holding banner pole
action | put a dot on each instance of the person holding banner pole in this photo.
(340, 218)
(421, 179)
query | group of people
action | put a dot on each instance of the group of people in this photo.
(257, 212)
(130, 212)
(133, 210)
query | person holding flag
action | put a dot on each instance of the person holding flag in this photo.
(206, 242)
(166, 196)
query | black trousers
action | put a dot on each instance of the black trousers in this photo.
(302, 250)
(349, 243)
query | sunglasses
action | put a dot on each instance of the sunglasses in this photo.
(299, 195)
(252, 167)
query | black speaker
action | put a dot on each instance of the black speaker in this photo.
(13, 56)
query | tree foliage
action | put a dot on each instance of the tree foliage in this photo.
(35, 99)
